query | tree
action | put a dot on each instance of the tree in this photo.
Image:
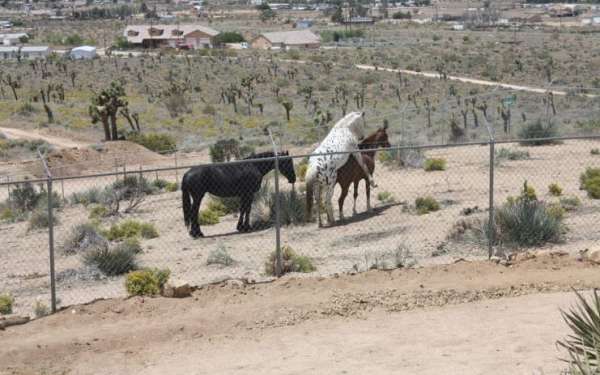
(288, 105)
(266, 13)
(338, 15)
(105, 107)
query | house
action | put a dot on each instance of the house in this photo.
(5, 25)
(13, 38)
(34, 52)
(287, 40)
(25, 52)
(83, 53)
(175, 36)
(360, 21)
(8, 53)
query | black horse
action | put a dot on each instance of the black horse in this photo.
(229, 180)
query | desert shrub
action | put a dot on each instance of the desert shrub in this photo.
(301, 170)
(435, 164)
(538, 130)
(228, 205)
(208, 217)
(556, 211)
(131, 229)
(171, 187)
(6, 304)
(508, 154)
(130, 185)
(84, 237)
(92, 195)
(570, 203)
(224, 150)
(217, 206)
(159, 183)
(219, 256)
(555, 190)
(146, 282)
(425, 205)
(401, 15)
(292, 208)
(292, 262)
(98, 211)
(40, 219)
(40, 309)
(590, 182)
(385, 197)
(24, 197)
(158, 142)
(129, 244)
(7, 214)
(112, 262)
(526, 222)
(595, 151)
(583, 344)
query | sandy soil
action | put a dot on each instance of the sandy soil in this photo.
(349, 247)
(469, 317)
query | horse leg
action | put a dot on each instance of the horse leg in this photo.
(363, 166)
(241, 216)
(329, 204)
(195, 230)
(341, 200)
(356, 183)
(368, 192)
(318, 197)
(247, 208)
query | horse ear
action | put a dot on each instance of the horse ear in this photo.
(385, 126)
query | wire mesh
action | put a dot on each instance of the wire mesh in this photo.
(430, 207)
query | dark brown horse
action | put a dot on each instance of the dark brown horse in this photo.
(351, 172)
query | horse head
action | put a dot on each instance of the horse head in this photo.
(286, 167)
(379, 139)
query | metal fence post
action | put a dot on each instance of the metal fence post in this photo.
(50, 234)
(491, 232)
(278, 255)
(176, 168)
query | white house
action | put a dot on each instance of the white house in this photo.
(83, 53)
(8, 53)
(175, 36)
(12, 39)
(35, 52)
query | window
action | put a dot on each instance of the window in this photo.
(155, 32)
(133, 33)
(176, 32)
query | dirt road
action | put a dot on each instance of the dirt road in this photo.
(60, 142)
(466, 318)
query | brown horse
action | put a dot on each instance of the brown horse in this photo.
(352, 173)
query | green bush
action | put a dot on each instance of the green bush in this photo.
(401, 15)
(570, 203)
(385, 197)
(24, 197)
(435, 165)
(159, 184)
(7, 214)
(217, 206)
(98, 211)
(590, 182)
(171, 187)
(220, 256)
(595, 151)
(583, 345)
(292, 262)
(131, 229)
(92, 195)
(555, 190)
(425, 205)
(40, 309)
(146, 282)
(158, 142)
(228, 205)
(508, 154)
(538, 130)
(208, 217)
(39, 219)
(301, 171)
(130, 185)
(6, 304)
(228, 37)
(526, 222)
(112, 262)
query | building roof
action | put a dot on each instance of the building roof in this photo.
(84, 49)
(292, 37)
(138, 33)
(35, 49)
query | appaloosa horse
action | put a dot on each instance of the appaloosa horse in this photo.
(351, 172)
(229, 180)
(341, 142)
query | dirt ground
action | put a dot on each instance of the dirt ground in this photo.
(468, 317)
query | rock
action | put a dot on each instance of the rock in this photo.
(234, 283)
(177, 289)
(591, 255)
(12, 321)
(495, 259)
(521, 256)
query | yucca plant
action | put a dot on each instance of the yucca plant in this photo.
(583, 345)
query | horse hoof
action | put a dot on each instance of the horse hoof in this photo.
(196, 234)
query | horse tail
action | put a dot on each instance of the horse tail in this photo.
(310, 182)
(187, 202)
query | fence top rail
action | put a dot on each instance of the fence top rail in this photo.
(284, 157)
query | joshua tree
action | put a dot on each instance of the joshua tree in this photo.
(288, 105)
(105, 106)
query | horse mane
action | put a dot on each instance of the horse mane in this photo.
(368, 141)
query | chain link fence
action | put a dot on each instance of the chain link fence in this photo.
(72, 239)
